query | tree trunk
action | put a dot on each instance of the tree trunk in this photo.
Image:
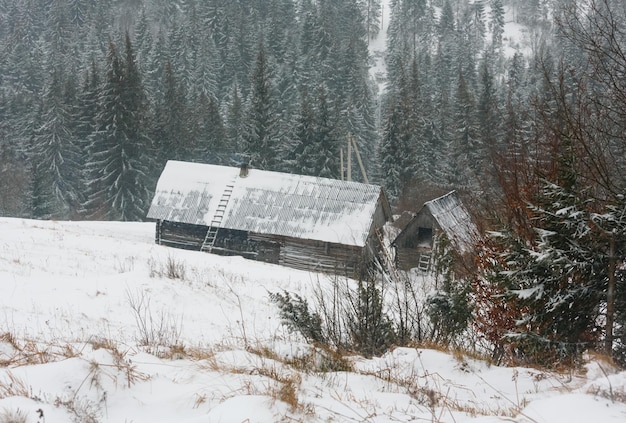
(610, 298)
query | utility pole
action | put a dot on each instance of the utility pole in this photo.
(341, 161)
(358, 158)
(349, 176)
(351, 145)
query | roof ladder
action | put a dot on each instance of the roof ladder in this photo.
(214, 226)
(424, 261)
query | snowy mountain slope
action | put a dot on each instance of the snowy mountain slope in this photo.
(93, 329)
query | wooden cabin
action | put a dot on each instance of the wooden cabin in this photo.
(444, 215)
(298, 221)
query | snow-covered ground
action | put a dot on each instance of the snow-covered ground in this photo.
(98, 324)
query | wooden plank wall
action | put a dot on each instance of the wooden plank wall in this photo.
(407, 258)
(267, 247)
(321, 257)
(310, 255)
(296, 253)
(180, 235)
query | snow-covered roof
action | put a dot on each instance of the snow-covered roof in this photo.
(454, 220)
(266, 202)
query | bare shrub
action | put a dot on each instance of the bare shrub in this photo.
(172, 269)
(125, 265)
(155, 330)
(83, 409)
(352, 317)
(330, 360)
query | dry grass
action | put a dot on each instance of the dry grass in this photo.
(9, 338)
(200, 354)
(156, 331)
(608, 367)
(287, 391)
(459, 354)
(120, 363)
(200, 399)
(13, 416)
(84, 410)
(104, 343)
(433, 391)
(271, 375)
(171, 269)
(175, 352)
(27, 352)
(110, 346)
(13, 386)
(125, 265)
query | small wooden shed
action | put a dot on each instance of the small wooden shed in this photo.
(416, 242)
(297, 221)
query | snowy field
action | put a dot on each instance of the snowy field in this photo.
(98, 324)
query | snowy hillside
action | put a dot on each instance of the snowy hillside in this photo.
(98, 324)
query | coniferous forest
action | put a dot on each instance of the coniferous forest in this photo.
(96, 95)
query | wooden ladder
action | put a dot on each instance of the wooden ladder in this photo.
(424, 261)
(387, 258)
(214, 226)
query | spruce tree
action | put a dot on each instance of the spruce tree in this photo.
(85, 115)
(234, 121)
(54, 155)
(390, 150)
(466, 151)
(78, 12)
(210, 141)
(446, 64)
(171, 122)
(370, 329)
(261, 134)
(304, 141)
(489, 120)
(496, 23)
(401, 134)
(558, 280)
(320, 153)
(372, 12)
(118, 159)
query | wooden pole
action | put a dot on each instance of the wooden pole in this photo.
(341, 161)
(349, 176)
(358, 158)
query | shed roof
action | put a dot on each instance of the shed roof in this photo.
(266, 202)
(454, 219)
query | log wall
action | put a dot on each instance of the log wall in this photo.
(180, 235)
(296, 253)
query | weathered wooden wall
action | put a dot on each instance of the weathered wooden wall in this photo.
(408, 249)
(180, 235)
(321, 257)
(303, 254)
